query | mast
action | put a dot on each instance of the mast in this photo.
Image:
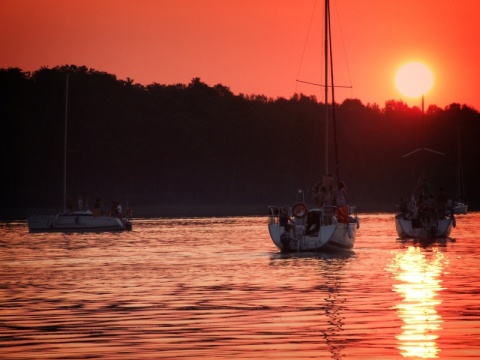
(422, 148)
(460, 178)
(335, 145)
(327, 13)
(329, 58)
(65, 151)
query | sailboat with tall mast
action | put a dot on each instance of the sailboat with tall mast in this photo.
(298, 228)
(422, 217)
(77, 221)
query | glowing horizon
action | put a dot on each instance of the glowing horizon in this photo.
(251, 47)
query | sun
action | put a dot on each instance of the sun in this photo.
(414, 79)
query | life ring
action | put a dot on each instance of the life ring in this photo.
(300, 210)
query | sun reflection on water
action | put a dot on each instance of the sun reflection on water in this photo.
(419, 276)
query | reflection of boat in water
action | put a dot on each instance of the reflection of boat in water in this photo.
(324, 310)
(298, 228)
(79, 221)
(418, 283)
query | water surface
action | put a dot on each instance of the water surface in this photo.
(218, 288)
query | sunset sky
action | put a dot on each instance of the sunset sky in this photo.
(254, 46)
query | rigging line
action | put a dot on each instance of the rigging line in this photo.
(314, 140)
(306, 39)
(322, 85)
(343, 44)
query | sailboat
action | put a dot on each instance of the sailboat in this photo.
(422, 217)
(458, 205)
(300, 229)
(77, 221)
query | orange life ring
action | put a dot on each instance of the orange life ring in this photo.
(300, 210)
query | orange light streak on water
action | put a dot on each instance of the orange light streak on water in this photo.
(418, 284)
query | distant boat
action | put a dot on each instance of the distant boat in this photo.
(79, 221)
(459, 208)
(297, 228)
(423, 216)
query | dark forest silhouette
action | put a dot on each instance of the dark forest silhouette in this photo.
(194, 145)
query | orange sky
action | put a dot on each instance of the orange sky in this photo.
(253, 46)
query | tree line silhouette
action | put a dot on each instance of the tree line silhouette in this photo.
(193, 145)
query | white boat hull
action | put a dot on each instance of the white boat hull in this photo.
(296, 240)
(344, 236)
(460, 209)
(301, 237)
(408, 228)
(77, 222)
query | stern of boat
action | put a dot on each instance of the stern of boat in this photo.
(302, 234)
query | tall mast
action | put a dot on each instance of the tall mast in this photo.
(326, 84)
(65, 151)
(334, 118)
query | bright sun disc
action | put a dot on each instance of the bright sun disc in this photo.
(414, 79)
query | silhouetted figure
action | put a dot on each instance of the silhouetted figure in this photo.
(341, 202)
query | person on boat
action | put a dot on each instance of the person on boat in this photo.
(404, 209)
(325, 197)
(98, 206)
(316, 193)
(119, 210)
(69, 204)
(325, 201)
(284, 219)
(341, 202)
(129, 212)
(80, 202)
(442, 199)
(425, 190)
(329, 183)
(114, 209)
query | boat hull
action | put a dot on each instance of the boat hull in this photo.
(414, 228)
(317, 230)
(344, 236)
(77, 223)
(460, 209)
(296, 240)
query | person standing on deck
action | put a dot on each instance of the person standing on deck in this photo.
(341, 202)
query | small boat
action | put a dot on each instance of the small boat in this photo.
(427, 218)
(459, 208)
(79, 221)
(426, 221)
(299, 229)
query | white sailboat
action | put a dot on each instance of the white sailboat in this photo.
(423, 217)
(297, 228)
(78, 221)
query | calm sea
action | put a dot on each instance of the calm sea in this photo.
(218, 288)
